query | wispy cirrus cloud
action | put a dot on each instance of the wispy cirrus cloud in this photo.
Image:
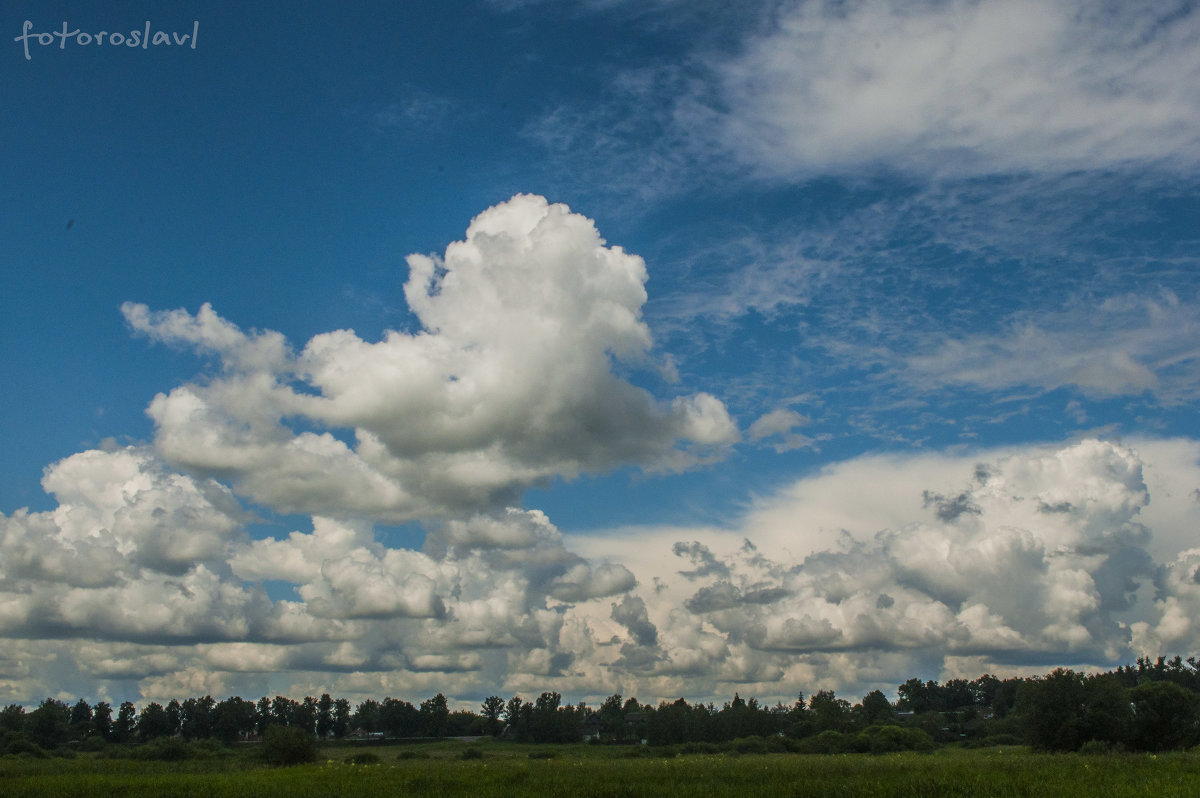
(967, 88)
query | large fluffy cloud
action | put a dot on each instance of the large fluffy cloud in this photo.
(856, 577)
(509, 382)
(1002, 559)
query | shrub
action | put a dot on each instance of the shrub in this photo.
(995, 740)
(93, 744)
(288, 745)
(885, 739)
(1096, 748)
(749, 745)
(163, 749)
(366, 758)
(19, 744)
(701, 748)
(831, 742)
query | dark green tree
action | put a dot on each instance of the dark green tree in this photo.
(47, 725)
(305, 715)
(126, 723)
(492, 708)
(435, 716)
(196, 718)
(829, 713)
(1064, 709)
(102, 721)
(341, 718)
(153, 723)
(262, 716)
(324, 716)
(174, 716)
(1164, 716)
(366, 716)
(288, 745)
(81, 726)
(12, 718)
(400, 719)
(876, 710)
(232, 718)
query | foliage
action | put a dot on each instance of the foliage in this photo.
(288, 745)
(603, 771)
(364, 758)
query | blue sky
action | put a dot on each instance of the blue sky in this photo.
(796, 346)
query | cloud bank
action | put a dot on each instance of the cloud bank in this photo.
(149, 577)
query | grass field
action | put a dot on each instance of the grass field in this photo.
(509, 770)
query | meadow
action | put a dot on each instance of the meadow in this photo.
(507, 769)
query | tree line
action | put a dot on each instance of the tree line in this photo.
(1149, 706)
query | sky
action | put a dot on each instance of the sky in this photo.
(658, 348)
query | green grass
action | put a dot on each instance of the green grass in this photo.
(508, 770)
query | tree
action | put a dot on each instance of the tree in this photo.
(231, 718)
(612, 718)
(126, 722)
(153, 723)
(366, 716)
(81, 721)
(491, 709)
(512, 710)
(305, 714)
(12, 718)
(324, 716)
(196, 718)
(876, 709)
(288, 745)
(283, 710)
(174, 716)
(435, 716)
(262, 716)
(102, 719)
(829, 712)
(47, 725)
(1164, 716)
(1063, 710)
(400, 719)
(341, 718)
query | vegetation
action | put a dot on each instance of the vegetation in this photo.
(1150, 707)
(504, 769)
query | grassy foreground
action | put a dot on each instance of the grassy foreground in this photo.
(508, 770)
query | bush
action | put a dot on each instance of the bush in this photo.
(366, 758)
(163, 749)
(93, 744)
(995, 740)
(18, 744)
(749, 745)
(886, 739)
(831, 742)
(1096, 748)
(471, 753)
(701, 748)
(288, 745)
